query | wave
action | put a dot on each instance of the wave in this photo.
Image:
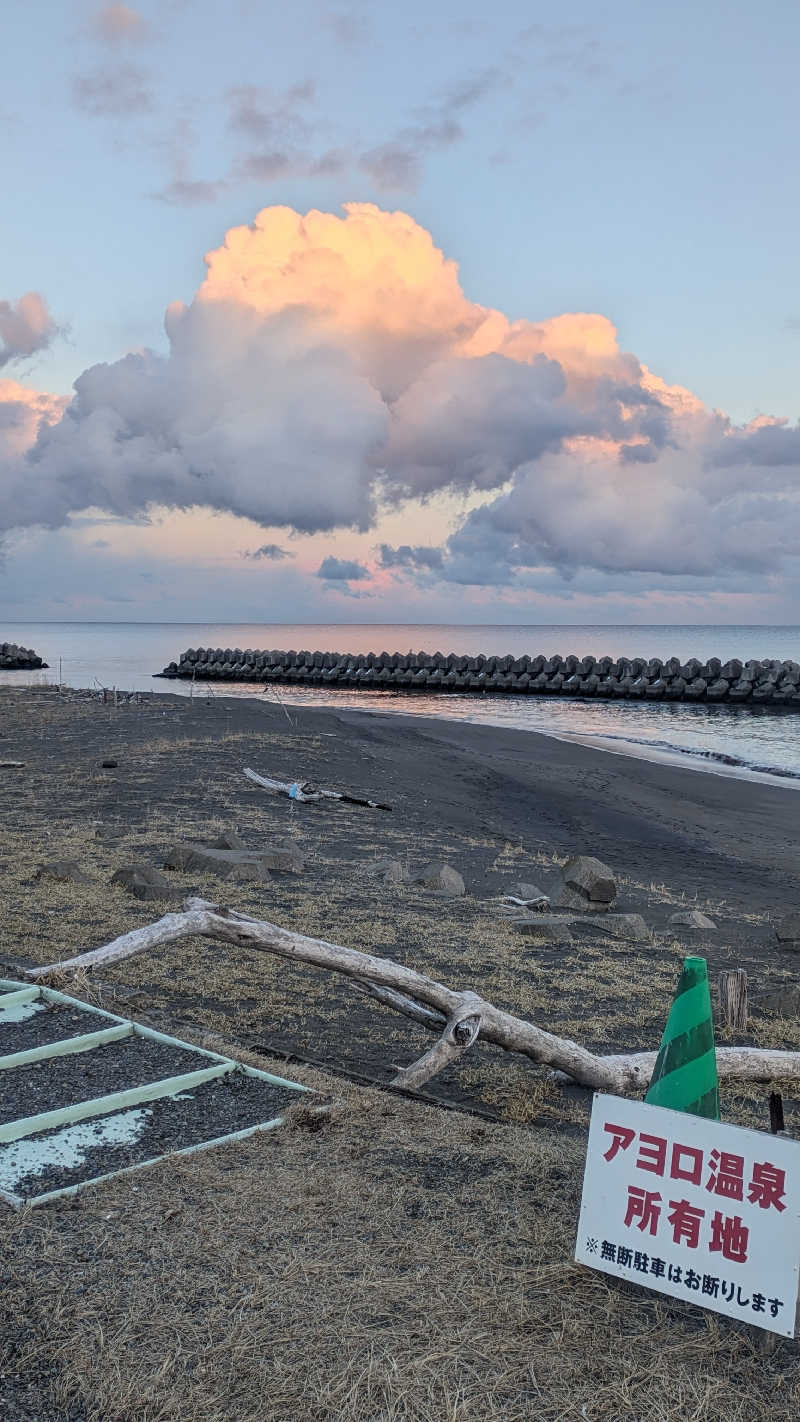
(717, 757)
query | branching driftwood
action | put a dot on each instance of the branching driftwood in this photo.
(304, 791)
(459, 1017)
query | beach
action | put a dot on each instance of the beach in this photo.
(497, 804)
(416, 1254)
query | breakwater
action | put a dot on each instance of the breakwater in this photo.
(769, 682)
(14, 658)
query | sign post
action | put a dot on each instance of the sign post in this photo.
(689, 1207)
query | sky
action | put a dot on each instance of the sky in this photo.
(360, 312)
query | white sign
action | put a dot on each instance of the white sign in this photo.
(689, 1207)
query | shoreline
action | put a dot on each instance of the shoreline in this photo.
(108, 787)
(680, 760)
(708, 761)
(579, 797)
(569, 793)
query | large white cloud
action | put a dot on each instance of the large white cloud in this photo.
(330, 363)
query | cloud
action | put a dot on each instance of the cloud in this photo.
(765, 443)
(117, 91)
(276, 129)
(23, 412)
(331, 367)
(273, 551)
(420, 558)
(399, 162)
(26, 327)
(268, 117)
(342, 570)
(177, 143)
(348, 28)
(116, 25)
(192, 192)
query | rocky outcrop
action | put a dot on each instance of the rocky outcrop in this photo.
(14, 658)
(767, 682)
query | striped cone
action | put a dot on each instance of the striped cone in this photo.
(685, 1074)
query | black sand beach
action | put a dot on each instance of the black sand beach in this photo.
(400, 1261)
(498, 805)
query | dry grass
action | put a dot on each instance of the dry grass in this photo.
(398, 1264)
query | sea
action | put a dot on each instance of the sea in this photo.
(751, 742)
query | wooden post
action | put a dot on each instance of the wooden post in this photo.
(776, 1122)
(733, 998)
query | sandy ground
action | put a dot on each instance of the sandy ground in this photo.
(405, 1262)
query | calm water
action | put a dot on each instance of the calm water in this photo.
(738, 740)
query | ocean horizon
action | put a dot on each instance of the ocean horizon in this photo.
(748, 741)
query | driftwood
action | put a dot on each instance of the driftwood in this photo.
(304, 791)
(460, 1017)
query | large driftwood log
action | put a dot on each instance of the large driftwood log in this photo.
(461, 1030)
(465, 1014)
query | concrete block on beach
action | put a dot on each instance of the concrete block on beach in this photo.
(144, 882)
(63, 871)
(628, 927)
(691, 918)
(282, 859)
(558, 927)
(783, 1002)
(441, 878)
(545, 929)
(788, 931)
(527, 893)
(388, 871)
(16, 658)
(222, 862)
(586, 883)
(624, 678)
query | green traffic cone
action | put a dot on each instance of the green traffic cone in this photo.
(685, 1074)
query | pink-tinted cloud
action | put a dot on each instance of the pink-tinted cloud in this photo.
(330, 367)
(118, 24)
(26, 327)
(22, 413)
